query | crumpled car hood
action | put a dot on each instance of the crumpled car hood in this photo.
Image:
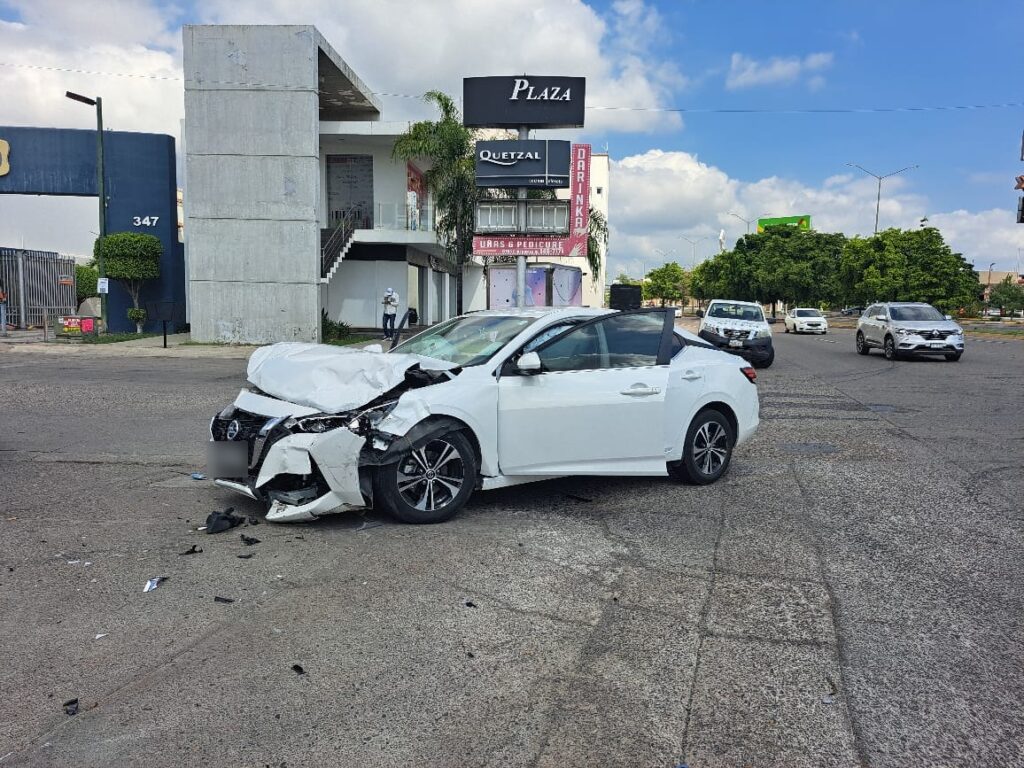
(331, 379)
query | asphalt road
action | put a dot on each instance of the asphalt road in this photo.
(850, 594)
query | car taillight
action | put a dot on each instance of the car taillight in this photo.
(750, 373)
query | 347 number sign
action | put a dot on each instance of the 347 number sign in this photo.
(145, 221)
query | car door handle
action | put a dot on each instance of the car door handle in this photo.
(639, 390)
(691, 376)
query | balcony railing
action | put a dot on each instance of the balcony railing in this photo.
(543, 217)
(387, 215)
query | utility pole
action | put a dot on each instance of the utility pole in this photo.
(878, 198)
(693, 243)
(524, 134)
(748, 222)
(100, 188)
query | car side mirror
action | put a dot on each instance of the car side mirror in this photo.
(880, 318)
(700, 313)
(948, 317)
(529, 363)
(772, 321)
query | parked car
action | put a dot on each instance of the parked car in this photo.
(805, 320)
(485, 400)
(851, 311)
(904, 329)
(739, 327)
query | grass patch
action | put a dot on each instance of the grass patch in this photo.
(114, 338)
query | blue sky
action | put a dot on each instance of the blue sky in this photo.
(672, 175)
(884, 54)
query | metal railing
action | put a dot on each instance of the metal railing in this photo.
(333, 242)
(399, 216)
(37, 281)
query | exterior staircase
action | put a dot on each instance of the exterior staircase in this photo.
(335, 242)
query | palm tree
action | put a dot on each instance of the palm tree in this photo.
(448, 144)
(597, 237)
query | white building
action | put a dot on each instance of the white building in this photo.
(294, 204)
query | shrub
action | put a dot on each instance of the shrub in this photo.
(137, 316)
(333, 330)
(86, 276)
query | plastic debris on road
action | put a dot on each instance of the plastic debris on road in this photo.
(246, 556)
(223, 521)
(198, 476)
(219, 599)
(249, 540)
(193, 550)
(298, 670)
(101, 635)
(154, 583)
(71, 707)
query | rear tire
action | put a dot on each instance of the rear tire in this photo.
(707, 449)
(862, 345)
(431, 482)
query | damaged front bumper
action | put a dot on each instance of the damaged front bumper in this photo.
(756, 350)
(300, 475)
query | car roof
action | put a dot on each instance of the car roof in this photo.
(905, 303)
(537, 312)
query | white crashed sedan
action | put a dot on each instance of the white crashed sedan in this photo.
(486, 400)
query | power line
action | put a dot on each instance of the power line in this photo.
(599, 108)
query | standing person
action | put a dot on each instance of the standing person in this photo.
(390, 303)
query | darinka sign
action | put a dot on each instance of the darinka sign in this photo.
(529, 163)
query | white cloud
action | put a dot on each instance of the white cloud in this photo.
(658, 196)
(747, 72)
(430, 48)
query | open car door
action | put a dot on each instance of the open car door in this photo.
(597, 404)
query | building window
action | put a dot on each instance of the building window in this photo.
(600, 190)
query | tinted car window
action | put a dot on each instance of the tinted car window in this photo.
(808, 313)
(618, 341)
(547, 333)
(633, 340)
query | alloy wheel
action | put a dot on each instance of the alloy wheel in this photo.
(431, 476)
(710, 447)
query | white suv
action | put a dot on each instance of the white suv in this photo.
(904, 329)
(738, 327)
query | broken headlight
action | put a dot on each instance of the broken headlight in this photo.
(367, 421)
(316, 424)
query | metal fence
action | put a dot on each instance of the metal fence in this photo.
(39, 284)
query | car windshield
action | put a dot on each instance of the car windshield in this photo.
(465, 341)
(903, 314)
(808, 313)
(736, 312)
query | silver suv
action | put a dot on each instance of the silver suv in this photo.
(905, 329)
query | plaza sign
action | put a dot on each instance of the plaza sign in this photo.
(523, 100)
(531, 163)
(575, 244)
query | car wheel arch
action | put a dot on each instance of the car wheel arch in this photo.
(712, 401)
(433, 426)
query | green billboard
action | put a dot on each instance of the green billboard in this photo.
(800, 222)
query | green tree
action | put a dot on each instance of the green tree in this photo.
(624, 279)
(666, 283)
(448, 145)
(86, 276)
(597, 238)
(1007, 295)
(131, 259)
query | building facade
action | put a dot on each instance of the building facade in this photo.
(294, 205)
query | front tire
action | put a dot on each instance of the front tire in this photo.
(707, 449)
(862, 345)
(431, 482)
(767, 362)
(953, 356)
(890, 349)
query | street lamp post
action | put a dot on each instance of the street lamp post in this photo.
(100, 176)
(878, 199)
(748, 222)
(693, 243)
